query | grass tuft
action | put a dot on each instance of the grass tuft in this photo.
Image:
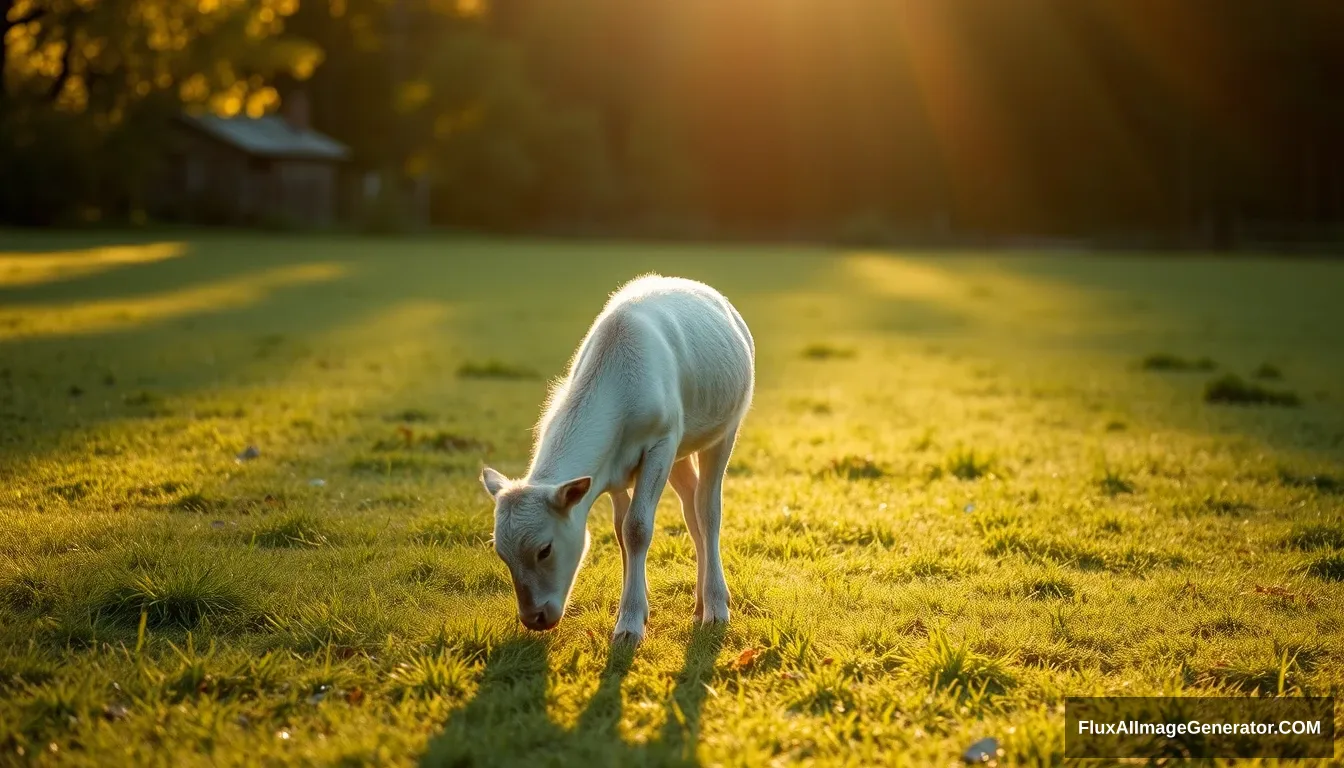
(827, 690)
(74, 491)
(50, 709)
(25, 667)
(1111, 525)
(431, 676)
(335, 623)
(854, 467)
(964, 464)
(1112, 484)
(955, 668)
(471, 644)
(1222, 506)
(812, 405)
(1309, 536)
(1323, 483)
(297, 529)
(196, 502)
(1225, 625)
(823, 351)
(28, 589)
(1163, 361)
(451, 532)
(181, 597)
(1277, 675)
(143, 398)
(1047, 588)
(926, 565)
(494, 369)
(1051, 550)
(446, 442)
(1328, 568)
(402, 462)
(410, 416)
(1233, 390)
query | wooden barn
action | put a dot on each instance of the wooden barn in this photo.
(273, 170)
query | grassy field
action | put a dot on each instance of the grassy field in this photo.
(971, 485)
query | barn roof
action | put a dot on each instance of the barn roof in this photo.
(270, 136)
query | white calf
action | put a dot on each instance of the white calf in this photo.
(658, 387)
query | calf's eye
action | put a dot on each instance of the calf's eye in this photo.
(544, 553)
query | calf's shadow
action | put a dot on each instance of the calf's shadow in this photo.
(506, 722)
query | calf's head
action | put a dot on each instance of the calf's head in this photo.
(541, 534)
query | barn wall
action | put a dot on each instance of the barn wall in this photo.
(209, 182)
(307, 191)
(203, 181)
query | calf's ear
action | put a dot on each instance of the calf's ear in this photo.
(493, 481)
(569, 494)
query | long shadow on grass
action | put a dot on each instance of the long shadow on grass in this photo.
(233, 309)
(506, 723)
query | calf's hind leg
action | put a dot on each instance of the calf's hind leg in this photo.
(620, 504)
(713, 463)
(684, 480)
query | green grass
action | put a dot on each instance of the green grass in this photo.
(957, 500)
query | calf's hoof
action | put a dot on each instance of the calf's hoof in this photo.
(713, 614)
(630, 628)
(627, 637)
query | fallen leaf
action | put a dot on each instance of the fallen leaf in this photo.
(790, 675)
(826, 662)
(354, 696)
(745, 658)
(1276, 591)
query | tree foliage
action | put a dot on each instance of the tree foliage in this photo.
(88, 86)
(871, 121)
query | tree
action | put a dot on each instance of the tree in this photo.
(88, 85)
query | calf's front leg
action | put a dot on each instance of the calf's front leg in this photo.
(637, 534)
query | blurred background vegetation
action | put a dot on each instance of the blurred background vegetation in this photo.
(1204, 122)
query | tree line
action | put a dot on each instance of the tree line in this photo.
(1201, 121)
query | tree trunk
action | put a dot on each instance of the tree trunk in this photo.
(67, 58)
(5, 7)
